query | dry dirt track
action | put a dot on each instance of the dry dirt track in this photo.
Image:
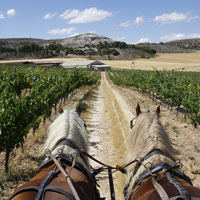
(110, 109)
(108, 126)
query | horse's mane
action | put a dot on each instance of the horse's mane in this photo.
(146, 135)
(67, 125)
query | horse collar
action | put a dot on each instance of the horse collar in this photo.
(151, 153)
(67, 142)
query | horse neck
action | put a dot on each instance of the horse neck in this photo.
(147, 135)
(68, 126)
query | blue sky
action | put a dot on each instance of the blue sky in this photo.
(131, 21)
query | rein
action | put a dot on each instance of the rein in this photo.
(109, 168)
(117, 168)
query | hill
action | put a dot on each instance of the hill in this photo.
(89, 45)
(84, 39)
(76, 41)
(177, 46)
(187, 43)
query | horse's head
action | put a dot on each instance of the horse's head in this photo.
(147, 133)
(138, 112)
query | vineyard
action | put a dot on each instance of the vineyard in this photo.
(180, 89)
(28, 95)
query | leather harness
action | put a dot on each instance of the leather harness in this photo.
(64, 159)
(175, 170)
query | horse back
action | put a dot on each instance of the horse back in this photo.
(146, 191)
(83, 185)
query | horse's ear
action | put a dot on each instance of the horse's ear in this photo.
(60, 110)
(138, 111)
(78, 109)
(158, 110)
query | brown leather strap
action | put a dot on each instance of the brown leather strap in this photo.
(26, 189)
(163, 195)
(65, 174)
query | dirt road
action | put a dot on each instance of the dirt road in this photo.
(108, 126)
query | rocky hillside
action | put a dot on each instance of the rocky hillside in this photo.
(83, 40)
(89, 45)
(76, 41)
(187, 43)
(177, 46)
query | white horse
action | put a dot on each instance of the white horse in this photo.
(154, 173)
(69, 125)
(66, 173)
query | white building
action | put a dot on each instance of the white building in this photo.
(87, 64)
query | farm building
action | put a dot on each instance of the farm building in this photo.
(87, 64)
(42, 63)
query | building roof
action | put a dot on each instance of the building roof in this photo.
(99, 66)
(82, 63)
(48, 62)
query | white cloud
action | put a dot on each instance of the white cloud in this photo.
(64, 31)
(174, 17)
(126, 24)
(49, 16)
(70, 14)
(85, 16)
(2, 16)
(143, 40)
(179, 36)
(11, 12)
(137, 21)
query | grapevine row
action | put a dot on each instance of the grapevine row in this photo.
(179, 88)
(27, 97)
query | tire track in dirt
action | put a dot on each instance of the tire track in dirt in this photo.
(108, 126)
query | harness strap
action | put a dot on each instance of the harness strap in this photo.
(67, 160)
(151, 153)
(48, 188)
(67, 142)
(27, 189)
(45, 182)
(183, 192)
(163, 195)
(66, 175)
(158, 167)
(60, 191)
(181, 198)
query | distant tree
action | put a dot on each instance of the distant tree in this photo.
(118, 44)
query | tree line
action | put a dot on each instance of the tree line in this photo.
(31, 49)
